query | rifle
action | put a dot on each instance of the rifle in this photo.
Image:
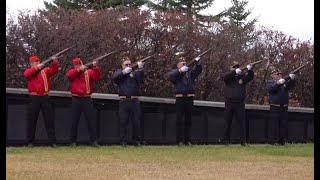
(295, 71)
(252, 64)
(193, 62)
(51, 58)
(135, 65)
(99, 58)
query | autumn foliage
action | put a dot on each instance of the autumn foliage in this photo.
(142, 33)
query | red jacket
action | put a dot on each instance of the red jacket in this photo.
(82, 82)
(39, 82)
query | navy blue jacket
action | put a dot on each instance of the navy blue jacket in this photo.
(278, 94)
(235, 85)
(184, 82)
(128, 86)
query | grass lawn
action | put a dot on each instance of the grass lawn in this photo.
(293, 161)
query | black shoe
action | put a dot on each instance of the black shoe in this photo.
(188, 143)
(73, 144)
(180, 143)
(144, 143)
(283, 142)
(30, 145)
(53, 145)
(225, 141)
(123, 144)
(137, 144)
(95, 144)
(244, 144)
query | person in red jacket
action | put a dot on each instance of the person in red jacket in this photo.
(81, 86)
(39, 85)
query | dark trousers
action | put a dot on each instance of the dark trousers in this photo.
(36, 104)
(278, 123)
(184, 107)
(85, 105)
(236, 109)
(129, 109)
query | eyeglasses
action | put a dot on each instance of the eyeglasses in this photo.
(278, 74)
(127, 64)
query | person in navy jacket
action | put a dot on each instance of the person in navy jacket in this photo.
(183, 79)
(128, 82)
(278, 89)
(235, 92)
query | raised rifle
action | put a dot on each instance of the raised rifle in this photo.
(51, 58)
(193, 62)
(252, 64)
(295, 71)
(135, 65)
(99, 58)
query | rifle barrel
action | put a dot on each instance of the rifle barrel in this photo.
(99, 58)
(56, 55)
(254, 63)
(134, 65)
(295, 71)
(205, 52)
(200, 55)
(146, 58)
(298, 69)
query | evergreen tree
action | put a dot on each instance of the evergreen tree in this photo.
(190, 7)
(92, 4)
(239, 28)
(66, 4)
(237, 15)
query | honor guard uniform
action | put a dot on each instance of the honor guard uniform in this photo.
(128, 82)
(39, 85)
(278, 89)
(81, 86)
(184, 82)
(235, 92)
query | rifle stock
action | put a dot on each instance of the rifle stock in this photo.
(99, 58)
(51, 58)
(295, 71)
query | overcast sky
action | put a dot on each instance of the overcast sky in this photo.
(292, 17)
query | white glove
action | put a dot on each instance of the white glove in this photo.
(40, 66)
(197, 58)
(249, 66)
(94, 63)
(53, 57)
(292, 76)
(140, 64)
(238, 71)
(127, 70)
(281, 81)
(184, 69)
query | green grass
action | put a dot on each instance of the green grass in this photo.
(122, 162)
(208, 152)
